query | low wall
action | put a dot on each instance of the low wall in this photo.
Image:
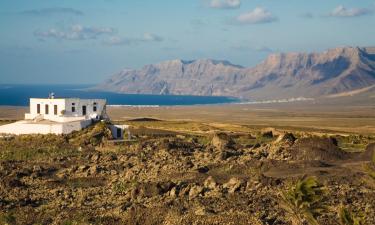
(73, 126)
(24, 127)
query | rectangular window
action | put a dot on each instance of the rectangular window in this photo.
(38, 108)
(46, 109)
(94, 108)
(73, 109)
(55, 109)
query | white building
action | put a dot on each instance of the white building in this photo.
(58, 116)
(65, 109)
(118, 131)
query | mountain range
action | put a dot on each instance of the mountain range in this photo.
(284, 75)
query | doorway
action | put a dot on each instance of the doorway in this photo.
(118, 133)
(84, 110)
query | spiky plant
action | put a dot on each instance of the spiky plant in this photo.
(304, 201)
(347, 217)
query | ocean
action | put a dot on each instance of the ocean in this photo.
(18, 95)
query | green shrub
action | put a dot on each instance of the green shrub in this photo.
(121, 187)
(35, 147)
(304, 201)
(347, 217)
(7, 218)
(93, 135)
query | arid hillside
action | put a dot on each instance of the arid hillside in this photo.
(165, 175)
(284, 75)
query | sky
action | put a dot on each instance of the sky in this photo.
(84, 42)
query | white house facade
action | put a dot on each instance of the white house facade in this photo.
(57, 116)
(66, 109)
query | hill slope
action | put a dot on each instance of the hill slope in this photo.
(284, 75)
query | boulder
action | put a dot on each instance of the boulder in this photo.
(369, 153)
(195, 190)
(229, 153)
(202, 211)
(267, 134)
(94, 170)
(203, 169)
(95, 158)
(286, 138)
(221, 141)
(317, 148)
(210, 183)
(233, 185)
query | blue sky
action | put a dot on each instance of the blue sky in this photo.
(74, 41)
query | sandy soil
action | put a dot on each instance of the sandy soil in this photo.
(312, 117)
(177, 178)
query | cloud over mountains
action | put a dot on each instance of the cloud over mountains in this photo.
(342, 11)
(107, 35)
(147, 37)
(257, 16)
(75, 32)
(225, 4)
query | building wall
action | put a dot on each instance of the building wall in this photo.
(89, 103)
(76, 125)
(65, 107)
(123, 129)
(50, 102)
(24, 127)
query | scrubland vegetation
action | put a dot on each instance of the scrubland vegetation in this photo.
(186, 172)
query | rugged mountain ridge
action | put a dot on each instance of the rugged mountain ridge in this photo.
(284, 75)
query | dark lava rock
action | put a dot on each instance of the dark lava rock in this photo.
(286, 138)
(267, 134)
(229, 153)
(369, 153)
(203, 169)
(222, 141)
(13, 182)
(317, 148)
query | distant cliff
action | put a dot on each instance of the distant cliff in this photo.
(285, 75)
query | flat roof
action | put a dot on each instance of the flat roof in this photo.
(60, 98)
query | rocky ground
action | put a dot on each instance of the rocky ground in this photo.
(176, 178)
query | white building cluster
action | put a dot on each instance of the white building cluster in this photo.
(60, 116)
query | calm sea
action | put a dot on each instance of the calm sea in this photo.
(18, 95)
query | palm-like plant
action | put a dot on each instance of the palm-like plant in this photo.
(349, 218)
(304, 201)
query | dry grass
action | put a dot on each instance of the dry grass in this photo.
(310, 117)
(293, 117)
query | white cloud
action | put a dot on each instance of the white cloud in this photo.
(225, 4)
(342, 11)
(116, 40)
(147, 37)
(75, 32)
(52, 11)
(258, 15)
(151, 37)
